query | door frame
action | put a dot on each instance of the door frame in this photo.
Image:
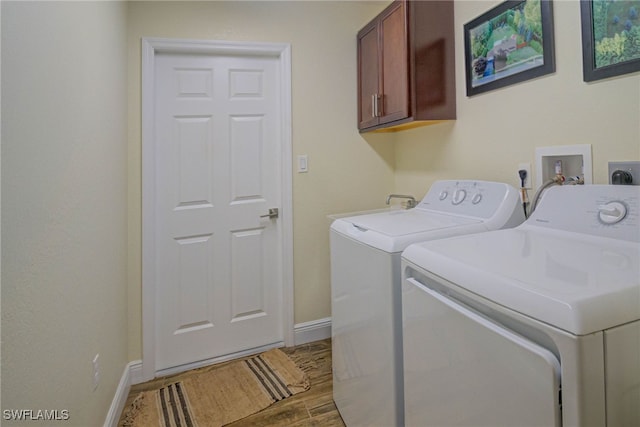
(150, 48)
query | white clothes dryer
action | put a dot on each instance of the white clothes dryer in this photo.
(538, 325)
(365, 288)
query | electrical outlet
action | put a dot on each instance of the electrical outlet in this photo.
(527, 180)
(624, 171)
(96, 371)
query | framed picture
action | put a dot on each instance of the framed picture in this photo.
(510, 43)
(610, 38)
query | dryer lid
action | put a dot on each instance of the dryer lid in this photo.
(576, 282)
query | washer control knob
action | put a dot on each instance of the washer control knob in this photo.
(458, 196)
(612, 212)
(443, 194)
(476, 198)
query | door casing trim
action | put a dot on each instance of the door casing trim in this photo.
(150, 48)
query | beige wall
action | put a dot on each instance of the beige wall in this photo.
(493, 134)
(64, 206)
(498, 130)
(346, 173)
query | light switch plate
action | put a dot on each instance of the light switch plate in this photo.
(303, 163)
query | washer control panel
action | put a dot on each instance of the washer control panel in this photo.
(480, 199)
(602, 210)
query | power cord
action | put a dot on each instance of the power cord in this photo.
(523, 191)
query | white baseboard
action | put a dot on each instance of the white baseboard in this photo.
(314, 330)
(120, 397)
(135, 372)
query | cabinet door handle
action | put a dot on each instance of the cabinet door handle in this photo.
(374, 105)
(375, 101)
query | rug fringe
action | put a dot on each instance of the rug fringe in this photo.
(132, 412)
(306, 366)
(302, 361)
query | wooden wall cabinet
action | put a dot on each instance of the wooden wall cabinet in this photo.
(406, 66)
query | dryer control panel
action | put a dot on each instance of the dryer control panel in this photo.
(601, 210)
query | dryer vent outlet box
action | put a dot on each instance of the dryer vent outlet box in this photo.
(568, 160)
(624, 173)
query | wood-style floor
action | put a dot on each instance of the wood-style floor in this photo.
(313, 407)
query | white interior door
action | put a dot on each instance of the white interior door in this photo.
(218, 169)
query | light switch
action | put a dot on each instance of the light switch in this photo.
(303, 164)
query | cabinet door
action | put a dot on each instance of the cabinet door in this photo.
(368, 75)
(394, 104)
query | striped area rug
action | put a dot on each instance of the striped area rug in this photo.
(217, 396)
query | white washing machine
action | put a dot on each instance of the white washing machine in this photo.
(538, 325)
(365, 288)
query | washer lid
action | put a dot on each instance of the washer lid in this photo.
(393, 230)
(401, 222)
(579, 283)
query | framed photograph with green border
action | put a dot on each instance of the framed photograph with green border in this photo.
(610, 38)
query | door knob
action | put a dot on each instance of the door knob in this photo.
(273, 213)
